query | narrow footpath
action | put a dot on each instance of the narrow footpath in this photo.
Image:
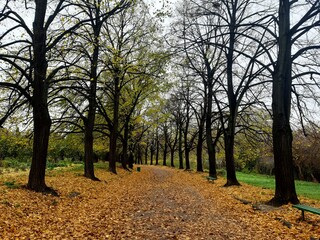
(171, 204)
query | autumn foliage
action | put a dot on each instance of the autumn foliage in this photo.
(156, 203)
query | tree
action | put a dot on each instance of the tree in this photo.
(130, 56)
(197, 30)
(97, 12)
(29, 58)
(288, 35)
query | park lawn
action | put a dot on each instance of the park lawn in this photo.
(305, 189)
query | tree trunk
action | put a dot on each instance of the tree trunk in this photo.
(210, 144)
(172, 157)
(187, 158)
(232, 101)
(180, 147)
(157, 150)
(165, 151)
(42, 123)
(115, 123)
(139, 155)
(146, 155)
(89, 122)
(41, 116)
(88, 152)
(124, 161)
(199, 148)
(151, 154)
(187, 145)
(281, 105)
(229, 155)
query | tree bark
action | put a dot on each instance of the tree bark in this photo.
(210, 144)
(41, 116)
(89, 122)
(232, 101)
(157, 150)
(165, 151)
(172, 157)
(281, 105)
(229, 154)
(88, 151)
(151, 154)
(165, 148)
(115, 123)
(200, 144)
(125, 155)
(180, 146)
(146, 155)
(187, 146)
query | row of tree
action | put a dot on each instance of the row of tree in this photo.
(232, 56)
(98, 68)
(82, 66)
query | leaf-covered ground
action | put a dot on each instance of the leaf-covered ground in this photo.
(156, 203)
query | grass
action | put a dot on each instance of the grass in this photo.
(305, 189)
(11, 184)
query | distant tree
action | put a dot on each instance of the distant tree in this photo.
(130, 56)
(306, 153)
(203, 59)
(88, 44)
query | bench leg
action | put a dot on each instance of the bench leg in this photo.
(302, 215)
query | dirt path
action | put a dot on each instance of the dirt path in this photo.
(156, 203)
(174, 207)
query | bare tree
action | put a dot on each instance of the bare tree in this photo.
(288, 37)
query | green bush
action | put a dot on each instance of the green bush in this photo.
(15, 164)
(62, 163)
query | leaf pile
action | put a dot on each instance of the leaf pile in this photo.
(156, 203)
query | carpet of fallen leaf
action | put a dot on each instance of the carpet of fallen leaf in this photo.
(156, 203)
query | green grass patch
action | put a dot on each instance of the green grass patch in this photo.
(305, 189)
(11, 184)
(102, 165)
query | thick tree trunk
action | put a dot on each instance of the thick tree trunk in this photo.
(233, 109)
(229, 155)
(89, 122)
(42, 123)
(281, 105)
(187, 158)
(41, 116)
(88, 152)
(113, 151)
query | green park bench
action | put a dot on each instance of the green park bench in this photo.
(211, 179)
(306, 208)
